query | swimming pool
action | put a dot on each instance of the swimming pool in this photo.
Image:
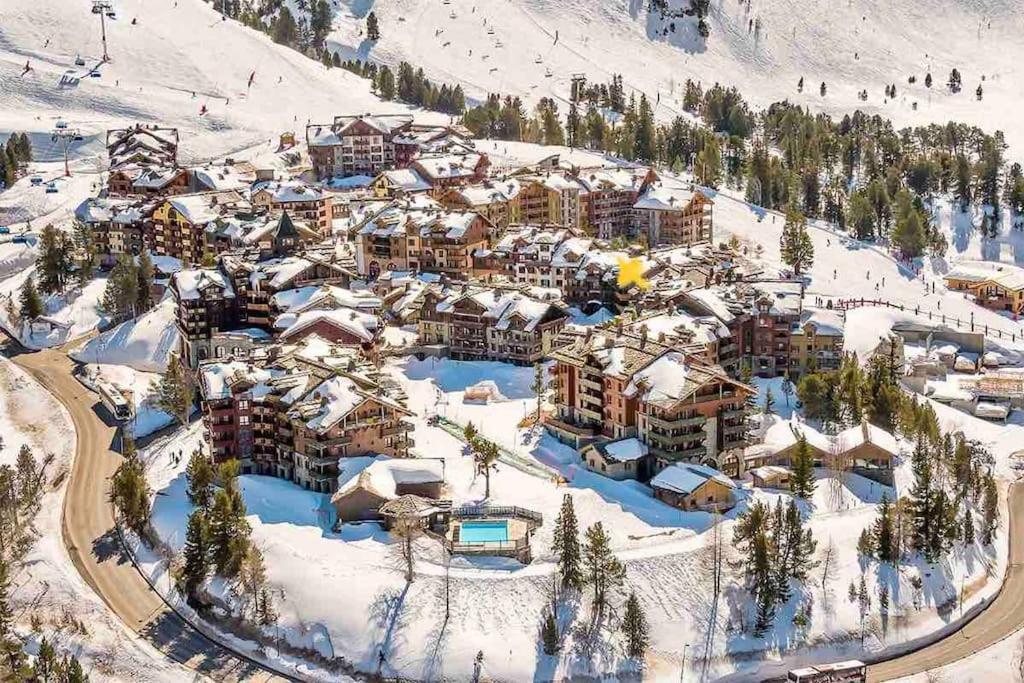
(483, 532)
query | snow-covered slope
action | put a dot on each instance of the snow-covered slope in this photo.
(851, 45)
(175, 49)
(143, 343)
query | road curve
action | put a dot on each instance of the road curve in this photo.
(1001, 618)
(90, 535)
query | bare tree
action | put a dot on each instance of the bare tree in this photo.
(715, 561)
(406, 529)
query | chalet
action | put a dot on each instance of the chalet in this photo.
(673, 215)
(399, 182)
(206, 305)
(999, 287)
(366, 484)
(771, 477)
(816, 342)
(865, 446)
(302, 201)
(144, 161)
(619, 460)
(694, 487)
(406, 236)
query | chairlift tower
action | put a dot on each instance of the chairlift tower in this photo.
(65, 136)
(102, 8)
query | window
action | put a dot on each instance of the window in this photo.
(243, 404)
(243, 420)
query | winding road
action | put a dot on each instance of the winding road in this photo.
(91, 537)
(1000, 619)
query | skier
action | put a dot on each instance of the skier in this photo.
(556, 37)
(202, 110)
(28, 67)
(252, 76)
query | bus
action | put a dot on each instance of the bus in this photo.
(114, 401)
(852, 671)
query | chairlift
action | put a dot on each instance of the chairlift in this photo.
(111, 14)
(451, 15)
(96, 9)
(61, 124)
(51, 189)
(539, 60)
(490, 31)
(78, 138)
(499, 44)
(94, 74)
(547, 73)
(79, 61)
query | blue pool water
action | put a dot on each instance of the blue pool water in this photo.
(483, 532)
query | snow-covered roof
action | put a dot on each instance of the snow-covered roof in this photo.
(662, 380)
(826, 322)
(686, 478)
(625, 450)
(866, 432)
(283, 192)
(384, 475)
(407, 179)
(204, 207)
(324, 296)
(447, 166)
(784, 433)
(503, 307)
(360, 325)
(661, 198)
(217, 379)
(1003, 274)
(189, 283)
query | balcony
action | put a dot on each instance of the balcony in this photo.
(675, 424)
(591, 414)
(399, 428)
(591, 384)
(687, 454)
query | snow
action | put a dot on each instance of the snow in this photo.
(687, 478)
(141, 386)
(143, 343)
(48, 586)
(626, 449)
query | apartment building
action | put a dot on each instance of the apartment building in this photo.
(180, 224)
(495, 200)
(478, 323)
(608, 197)
(669, 215)
(360, 145)
(613, 386)
(407, 236)
(116, 226)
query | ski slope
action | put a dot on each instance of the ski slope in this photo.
(849, 44)
(174, 50)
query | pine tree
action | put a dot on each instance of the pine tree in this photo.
(967, 531)
(145, 273)
(121, 295)
(883, 533)
(196, 553)
(769, 401)
(28, 477)
(538, 386)
(71, 670)
(802, 483)
(54, 263)
(865, 544)
(634, 625)
(763, 584)
(252, 576)
(31, 305)
(229, 530)
(46, 665)
(200, 475)
(566, 545)
(549, 634)
(787, 387)
(6, 610)
(795, 244)
(372, 27)
(990, 509)
(175, 391)
(603, 570)
(469, 433)
(709, 162)
(266, 615)
(129, 490)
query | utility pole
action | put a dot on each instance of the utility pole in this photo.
(65, 136)
(101, 7)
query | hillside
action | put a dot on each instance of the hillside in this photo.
(852, 45)
(177, 58)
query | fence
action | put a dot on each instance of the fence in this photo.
(934, 316)
(476, 511)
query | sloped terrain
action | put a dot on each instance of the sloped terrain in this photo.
(761, 46)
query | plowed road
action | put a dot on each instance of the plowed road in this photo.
(90, 536)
